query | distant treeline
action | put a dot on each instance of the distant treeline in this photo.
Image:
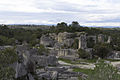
(12, 34)
(29, 26)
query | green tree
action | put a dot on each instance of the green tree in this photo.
(75, 24)
(61, 27)
(3, 40)
(90, 43)
(5, 31)
(101, 50)
(83, 54)
(6, 41)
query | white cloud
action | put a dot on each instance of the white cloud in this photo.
(102, 24)
(53, 11)
(38, 21)
(7, 22)
(102, 17)
(27, 6)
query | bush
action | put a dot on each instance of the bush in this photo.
(7, 57)
(104, 72)
(101, 50)
(90, 43)
(83, 54)
(6, 73)
(6, 41)
(42, 50)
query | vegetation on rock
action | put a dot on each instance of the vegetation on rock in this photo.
(7, 57)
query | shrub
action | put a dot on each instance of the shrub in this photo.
(7, 57)
(104, 72)
(6, 73)
(101, 50)
(42, 50)
(83, 54)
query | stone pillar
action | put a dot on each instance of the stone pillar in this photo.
(101, 38)
(95, 39)
(109, 39)
(82, 42)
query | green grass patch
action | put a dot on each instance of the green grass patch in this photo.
(65, 60)
(101, 72)
(112, 60)
(79, 78)
(87, 60)
(85, 71)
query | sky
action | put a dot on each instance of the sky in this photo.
(49, 12)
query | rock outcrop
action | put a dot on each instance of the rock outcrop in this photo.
(101, 38)
(45, 60)
(109, 39)
(47, 41)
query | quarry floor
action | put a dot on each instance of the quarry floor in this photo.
(87, 65)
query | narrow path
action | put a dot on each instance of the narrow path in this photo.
(116, 64)
(84, 66)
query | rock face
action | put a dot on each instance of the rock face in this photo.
(64, 36)
(30, 77)
(45, 60)
(67, 75)
(4, 47)
(66, 52)
(82, 41)
(53, 36)
(20, 70)
(115, 55)
(66, 39)
(68, 42)
(63, 52)
(53, 52)
(29, 60)
(101, 38)
(25, 64)
(58, 73)
(47, 41)
(58, 45)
